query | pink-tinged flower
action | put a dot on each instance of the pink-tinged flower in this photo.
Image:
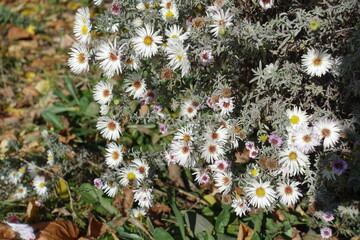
(250, 145)
(326, 232)
(115, 8)
(275, 140)
(206, 57)
(253, 153)
(163, 128)
(339, 166)
(211, 103)
(202, 177)
(38, 203)
(159, 110)
(266, 4)
(148, 97)
(328, 216)
(189, 21)
(98, 183)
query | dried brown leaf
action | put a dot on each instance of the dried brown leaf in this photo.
(6, 232)
(15, 33)
(175, 175)
(143, 110)
(94, 228)
(60, 229)
(160, 208)
(245, 233)
(30, 91)
(8, 135)
(31, 211)
(7, 92)
(242, 157)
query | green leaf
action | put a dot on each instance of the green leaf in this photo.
(161, 234)
(204, 236)
(221, 236)
(84, 102)
(256, 236)
(92, 109)
(223, 219)
(179, 218)
(56, 110)
(198, 223)
(71, 89)
(52, 118)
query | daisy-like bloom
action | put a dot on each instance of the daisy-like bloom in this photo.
(221, 21)
(326, 232)
(39, 185)
(82, 25)
(316, 62)
(220, 136)
(167, 4)
(110, 188)
(174, 33)
(185, 134)
(220, 165)
(253, 153)
(137, 22)
(275, 140)
(328, 173)
(145, 44)
(141, 166)
(188, 110)
(132, 62)
(177, 55)
(98, 183)
(21, 192)
(15, 177)
(104, 109)
(130, 175)
(226, 106)
(266, 4)
(328, 216)
(223, 180)
(241, 206)
(249, 145)
(159, 110)
(113, 155)
(261, 194)
(288, 193)
(253, 170)
(170, 14)
(115, 8)
(170, 158)
(163, 128)
(211, 103)
(297, 118)
(212, 151)
(103, 92)
(110, 56)
(148, 97)
(201, 176)
(143, 197)
(138, 213)
(145, 5)
(206, 57)
(305, 140)
(338, 166)
(293, 160)
(135, 85)
(183, 153)
(50, 158)
(263, 138)
(110, 129)
(79, 58)
(328, 130)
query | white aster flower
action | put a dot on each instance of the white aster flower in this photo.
(201, 176)
(212, 151)
(141, 166)
(110, 129)
(316, 62)
(328, 130)
(221, 21)
(146, 43)
(241, 206)
(21, 192)
(288, 193)
(104, 109)
(294, 161)
(130, 175)
(132, 62)
(266, 4)
(305, 140)
(135, 85)
(39, 185)
(183, 153)
(79, 58)
(103, 92)
(226, 106)
(170, 14)
(137, 22)
(174, 33)
(170, 157)
(177, 55)
(167, 4)
(113, 155)
(188, 109)
(260, 193)
(143, 196)
(138, 212)
(223, 180)
(110, 188)
(220, 136)
(220, 165)
(15, 177)
(50, 157)
(145, 5)
(109, 55)
(297, 118)
(253, 170)
(328, 173)
(82, 25)
(185, 134)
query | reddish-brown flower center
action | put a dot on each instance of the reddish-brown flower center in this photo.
(137, 84)
(190, 109)
(307, 138)
(115, 155)
(111, 126)
(226, 104)
(288, 190)
(106, 93)
(325, 132)
(113, 57)
(222, 22)
(81, 58)
(214, 135)
(317, 61)
(185, 149)
(212, 149)
(221, 166)
(142, 169)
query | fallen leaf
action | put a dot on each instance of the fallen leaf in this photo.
(15, 33)
(94, 228)
(175, 175)
(226, 199)
(242, 157)
(7, 92)
(8, 135)
(6, 232)
(30, 91)
(245, 233)
(143, 110)
(160, 208)
(31, 211)
(296, 234)
(123, 202)
(60, 229)
(355, 238)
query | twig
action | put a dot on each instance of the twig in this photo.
(192, 195)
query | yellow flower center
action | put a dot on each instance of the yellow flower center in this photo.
(169, 14)
(84, 30)
(314, 25)
(131, 176)
(294, 119)
(115, 155)
(42, 185)
(186, 138)
(22, 170)
(81, 58)
(292, 156)
(139, 215)
(263, 138)
(260, 192)
(20, 190)
(174, 36)
(179, 58)
(254, 172)
(317, 61)
(148, 40)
